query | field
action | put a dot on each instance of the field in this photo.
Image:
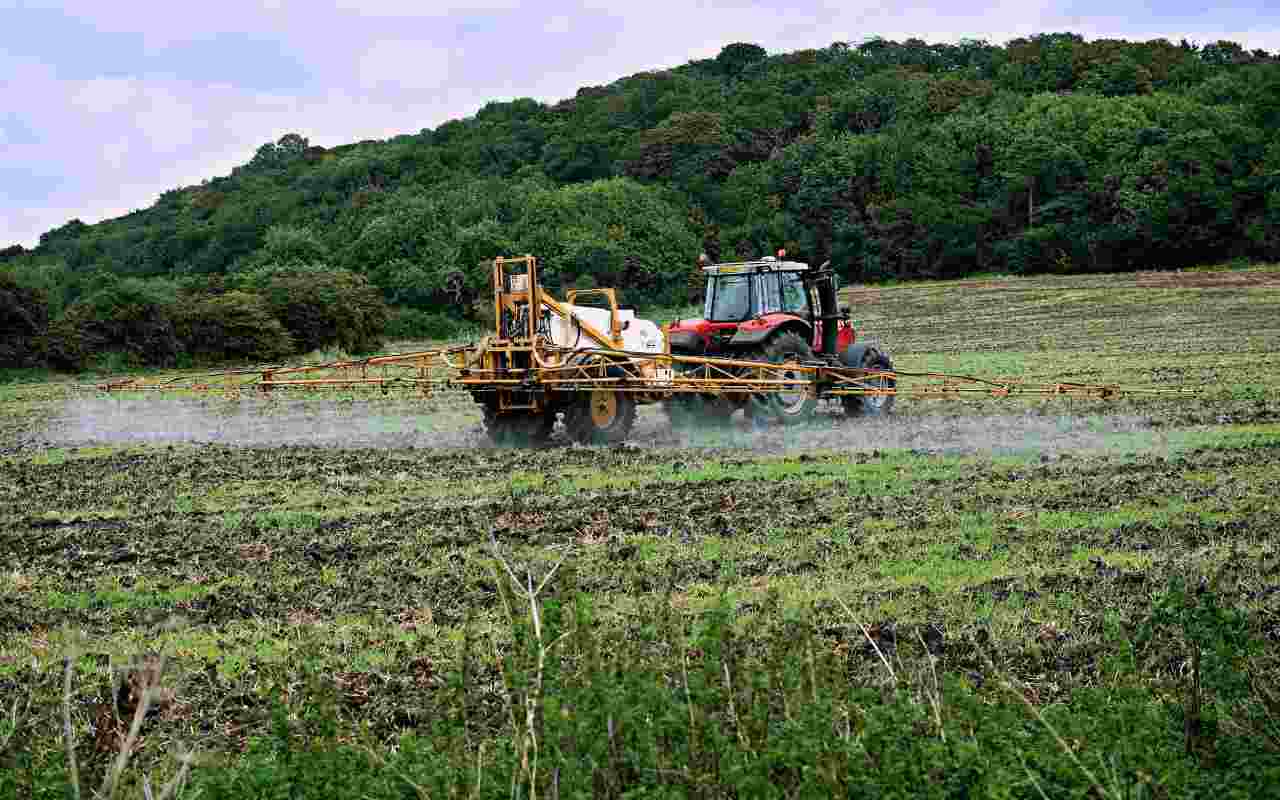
(1080, 597)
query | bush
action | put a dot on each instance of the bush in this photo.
(321, 307)
(232, 326)
(24, 318)
(263, 315)
(412, 323)
(130, 316)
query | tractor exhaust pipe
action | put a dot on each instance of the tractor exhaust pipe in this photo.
(829, 312)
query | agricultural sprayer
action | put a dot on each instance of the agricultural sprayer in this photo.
(772, 342)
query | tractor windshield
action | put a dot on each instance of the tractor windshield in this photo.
(729, 298)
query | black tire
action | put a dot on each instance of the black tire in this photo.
(518, 429)
(872, 405)
(788, 408)
(600, 417)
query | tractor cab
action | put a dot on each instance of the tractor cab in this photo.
(740, 293)
(748, 303)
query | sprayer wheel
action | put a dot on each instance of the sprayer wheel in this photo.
(602, 416)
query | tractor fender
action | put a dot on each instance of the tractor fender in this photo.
(756, 331)
(688, 342)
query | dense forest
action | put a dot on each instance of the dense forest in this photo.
(892, 159)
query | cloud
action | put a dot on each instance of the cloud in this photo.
(561, 23)
(103, 95)
(407, 9)
(106, 105)
(404, 65)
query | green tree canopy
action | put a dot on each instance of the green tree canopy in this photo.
(894, 158)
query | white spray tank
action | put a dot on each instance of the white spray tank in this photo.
(638, 335)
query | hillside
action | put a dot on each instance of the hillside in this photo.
(894, 159)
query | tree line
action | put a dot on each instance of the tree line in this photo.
(896, 160)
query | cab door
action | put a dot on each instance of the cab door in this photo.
(814, 317)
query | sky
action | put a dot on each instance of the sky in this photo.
(104, 105)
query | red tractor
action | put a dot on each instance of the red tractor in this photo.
(777, 311)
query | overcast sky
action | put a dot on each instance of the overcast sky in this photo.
(103, 105)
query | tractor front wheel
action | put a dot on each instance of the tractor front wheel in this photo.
(872, 405)
(602, 416)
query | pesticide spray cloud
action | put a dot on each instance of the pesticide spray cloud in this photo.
(455, 423)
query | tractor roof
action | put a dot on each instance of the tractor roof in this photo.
(766, 264)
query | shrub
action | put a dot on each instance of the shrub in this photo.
(232, 326)
(321, 307)
(130, 316)
(412, 323)
(24, 318)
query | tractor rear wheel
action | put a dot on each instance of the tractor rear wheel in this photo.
(872, 405)
(602, 416)
(789, 407)
(518, 429)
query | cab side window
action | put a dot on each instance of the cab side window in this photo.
(795, 299)
(767, 290)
